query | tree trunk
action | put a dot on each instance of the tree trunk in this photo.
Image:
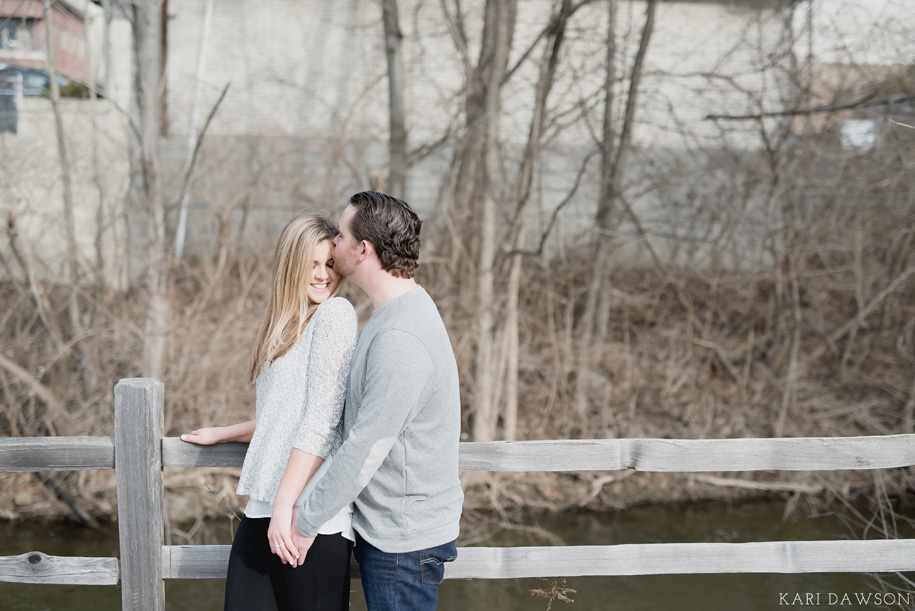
(592, 328)
(498, 35)
(181, 231)
(522, 198)
(908, 412)
(147, 193)
(397, 144)
(106, 46)
(65, 168)
(66, 172)
(464, 207)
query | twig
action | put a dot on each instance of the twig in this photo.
(222, 501)
(865, 102)
(203, 130)
(858, 320)
(559, 590)
(60, 491)
(40, 304)
(38, 389)
(733, 482)
(597, 485)
(568, 198)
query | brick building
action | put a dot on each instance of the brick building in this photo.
(23, 36)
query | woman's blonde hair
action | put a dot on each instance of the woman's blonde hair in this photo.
(290, 308)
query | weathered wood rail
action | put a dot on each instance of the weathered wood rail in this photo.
(138, 453)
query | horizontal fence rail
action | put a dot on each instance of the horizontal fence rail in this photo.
(647, 455)
(139, 452)
(686, 558)
(18, 454)
(39, 568)
(877, 556)
(692, 455)
(788, 557)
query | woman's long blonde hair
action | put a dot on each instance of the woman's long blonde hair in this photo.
(290, 308)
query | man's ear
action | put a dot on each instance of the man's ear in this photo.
(367, 250)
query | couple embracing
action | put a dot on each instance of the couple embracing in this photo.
(355, 438)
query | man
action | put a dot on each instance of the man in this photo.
(399, 458)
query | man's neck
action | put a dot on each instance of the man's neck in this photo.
(387, 287)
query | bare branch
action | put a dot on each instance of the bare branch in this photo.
(557, 209)
(868, 101)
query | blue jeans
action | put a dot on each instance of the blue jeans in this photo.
(402, 582)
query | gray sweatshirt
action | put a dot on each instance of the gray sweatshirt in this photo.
(402, 424)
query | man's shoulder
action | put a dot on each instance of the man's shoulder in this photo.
(421, 335)
(418, 307)
(398, 336)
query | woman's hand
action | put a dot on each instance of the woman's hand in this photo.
(285, 541)
(279, 536)
(205, 436)
(243, 431)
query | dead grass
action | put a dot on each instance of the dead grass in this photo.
(691, 357)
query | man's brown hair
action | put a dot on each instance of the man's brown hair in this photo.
(393, 229)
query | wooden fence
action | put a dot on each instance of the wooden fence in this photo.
(139, 452)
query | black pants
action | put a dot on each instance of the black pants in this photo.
(258, 581)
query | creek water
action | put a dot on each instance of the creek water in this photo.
(705, 522)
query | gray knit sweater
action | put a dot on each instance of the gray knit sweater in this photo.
(399, 458)
(300, 399)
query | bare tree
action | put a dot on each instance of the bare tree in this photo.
(147, 199)
(65, 171)
(556, 32)
(592, 327)
(397, 143)
(473, 203)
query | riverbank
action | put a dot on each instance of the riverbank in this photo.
(193, 495)
(715, 522)
(698, 356)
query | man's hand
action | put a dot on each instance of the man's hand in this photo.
(301, 542)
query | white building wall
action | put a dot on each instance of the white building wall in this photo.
(314, 73)
(714, 58)
(295, 67)
(31, 197)
(319, 66)
(305, 120)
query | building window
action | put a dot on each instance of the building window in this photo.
(8, 35)
(16, 34)
(858, 133)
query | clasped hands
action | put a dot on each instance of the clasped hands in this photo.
(285, 539)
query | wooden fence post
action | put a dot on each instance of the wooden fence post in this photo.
(138, 424)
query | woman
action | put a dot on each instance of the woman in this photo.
(300, 367)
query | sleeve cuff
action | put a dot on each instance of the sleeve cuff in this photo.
(316, 446)
(305, 528)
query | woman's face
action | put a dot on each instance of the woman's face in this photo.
(323, 279)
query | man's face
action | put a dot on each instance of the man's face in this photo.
(346, 249)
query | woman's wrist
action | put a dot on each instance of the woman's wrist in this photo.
(283, 504)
